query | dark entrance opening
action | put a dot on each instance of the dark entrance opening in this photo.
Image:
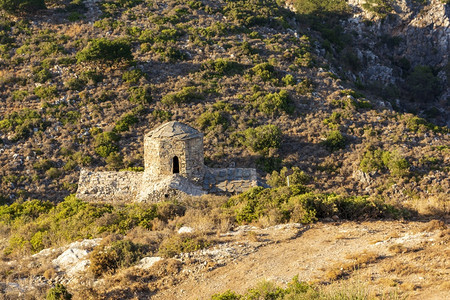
(176, 165)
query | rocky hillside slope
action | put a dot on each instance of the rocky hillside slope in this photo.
(82, 82)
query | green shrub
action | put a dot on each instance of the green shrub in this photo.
(43, 164)
(397, 165)
(262, 138)
(114, 161)
(106, 143)
(140, 94)
(210, 120)
(58, 292)
(41, 75)
(334, 119)
(335, 140)
(19, 95)
(74, 16)
(105, 50)
(372, 160)
(75, 84)
(275, 103)
(288, 80)
(297, 204)
(53, 173)
(50, 225)
(21, 6)
(297, 176)
(46, 92)
(228, 295)
(305, 87)
(380, 7)
(265, 71)
(417, 124)
(22, 123)
(91, 77)
(120, 254)
(186, 95)
(222, 67)
(181, 243)
(124, 123)
(257, 12)
(162, 115)
(132, 76)
(321, 7)
(169, 53)
(378, 160)
(265, 290)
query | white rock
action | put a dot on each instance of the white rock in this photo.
(185, 229)
(69, 257)
(147, 262)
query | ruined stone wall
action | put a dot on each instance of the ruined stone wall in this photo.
(229, 180)
(151, 156)
(159, 156)
(195, 159)
(114, 187)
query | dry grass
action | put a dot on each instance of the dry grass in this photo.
(358, 261)
(434, 225)
(398, 248)
(402, 268)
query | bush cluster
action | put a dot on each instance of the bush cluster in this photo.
(106, 143)
(378, 160)
(298, 204)
(221, 67)
(119, 254)
(186, 95)
(296, 176)
(334, 140)
(262, 138)
(181, 243)
(105, 50)
(22, 123)
(21, 6)
(35, 225)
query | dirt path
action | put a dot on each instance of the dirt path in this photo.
(312, 251)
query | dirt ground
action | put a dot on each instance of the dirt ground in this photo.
(410, 259)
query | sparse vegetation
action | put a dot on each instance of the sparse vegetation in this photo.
(82, 82)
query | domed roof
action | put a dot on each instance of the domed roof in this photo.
(175, 130)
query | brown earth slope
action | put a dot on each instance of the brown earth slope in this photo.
(406, 258)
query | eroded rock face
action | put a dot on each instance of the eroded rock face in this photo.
(423, 32)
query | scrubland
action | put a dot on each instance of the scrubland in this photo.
(82, 81)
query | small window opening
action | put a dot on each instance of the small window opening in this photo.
(176, 165)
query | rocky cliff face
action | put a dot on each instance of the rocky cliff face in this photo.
(411, 34)
(422, 32)
(389, 39)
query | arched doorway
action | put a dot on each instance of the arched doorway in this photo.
(175, 165)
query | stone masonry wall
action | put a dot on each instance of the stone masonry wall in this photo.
(109, 186)
(229, 180)
(159, 156)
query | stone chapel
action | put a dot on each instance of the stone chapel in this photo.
(173, 166)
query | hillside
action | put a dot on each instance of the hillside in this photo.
(350, 98)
